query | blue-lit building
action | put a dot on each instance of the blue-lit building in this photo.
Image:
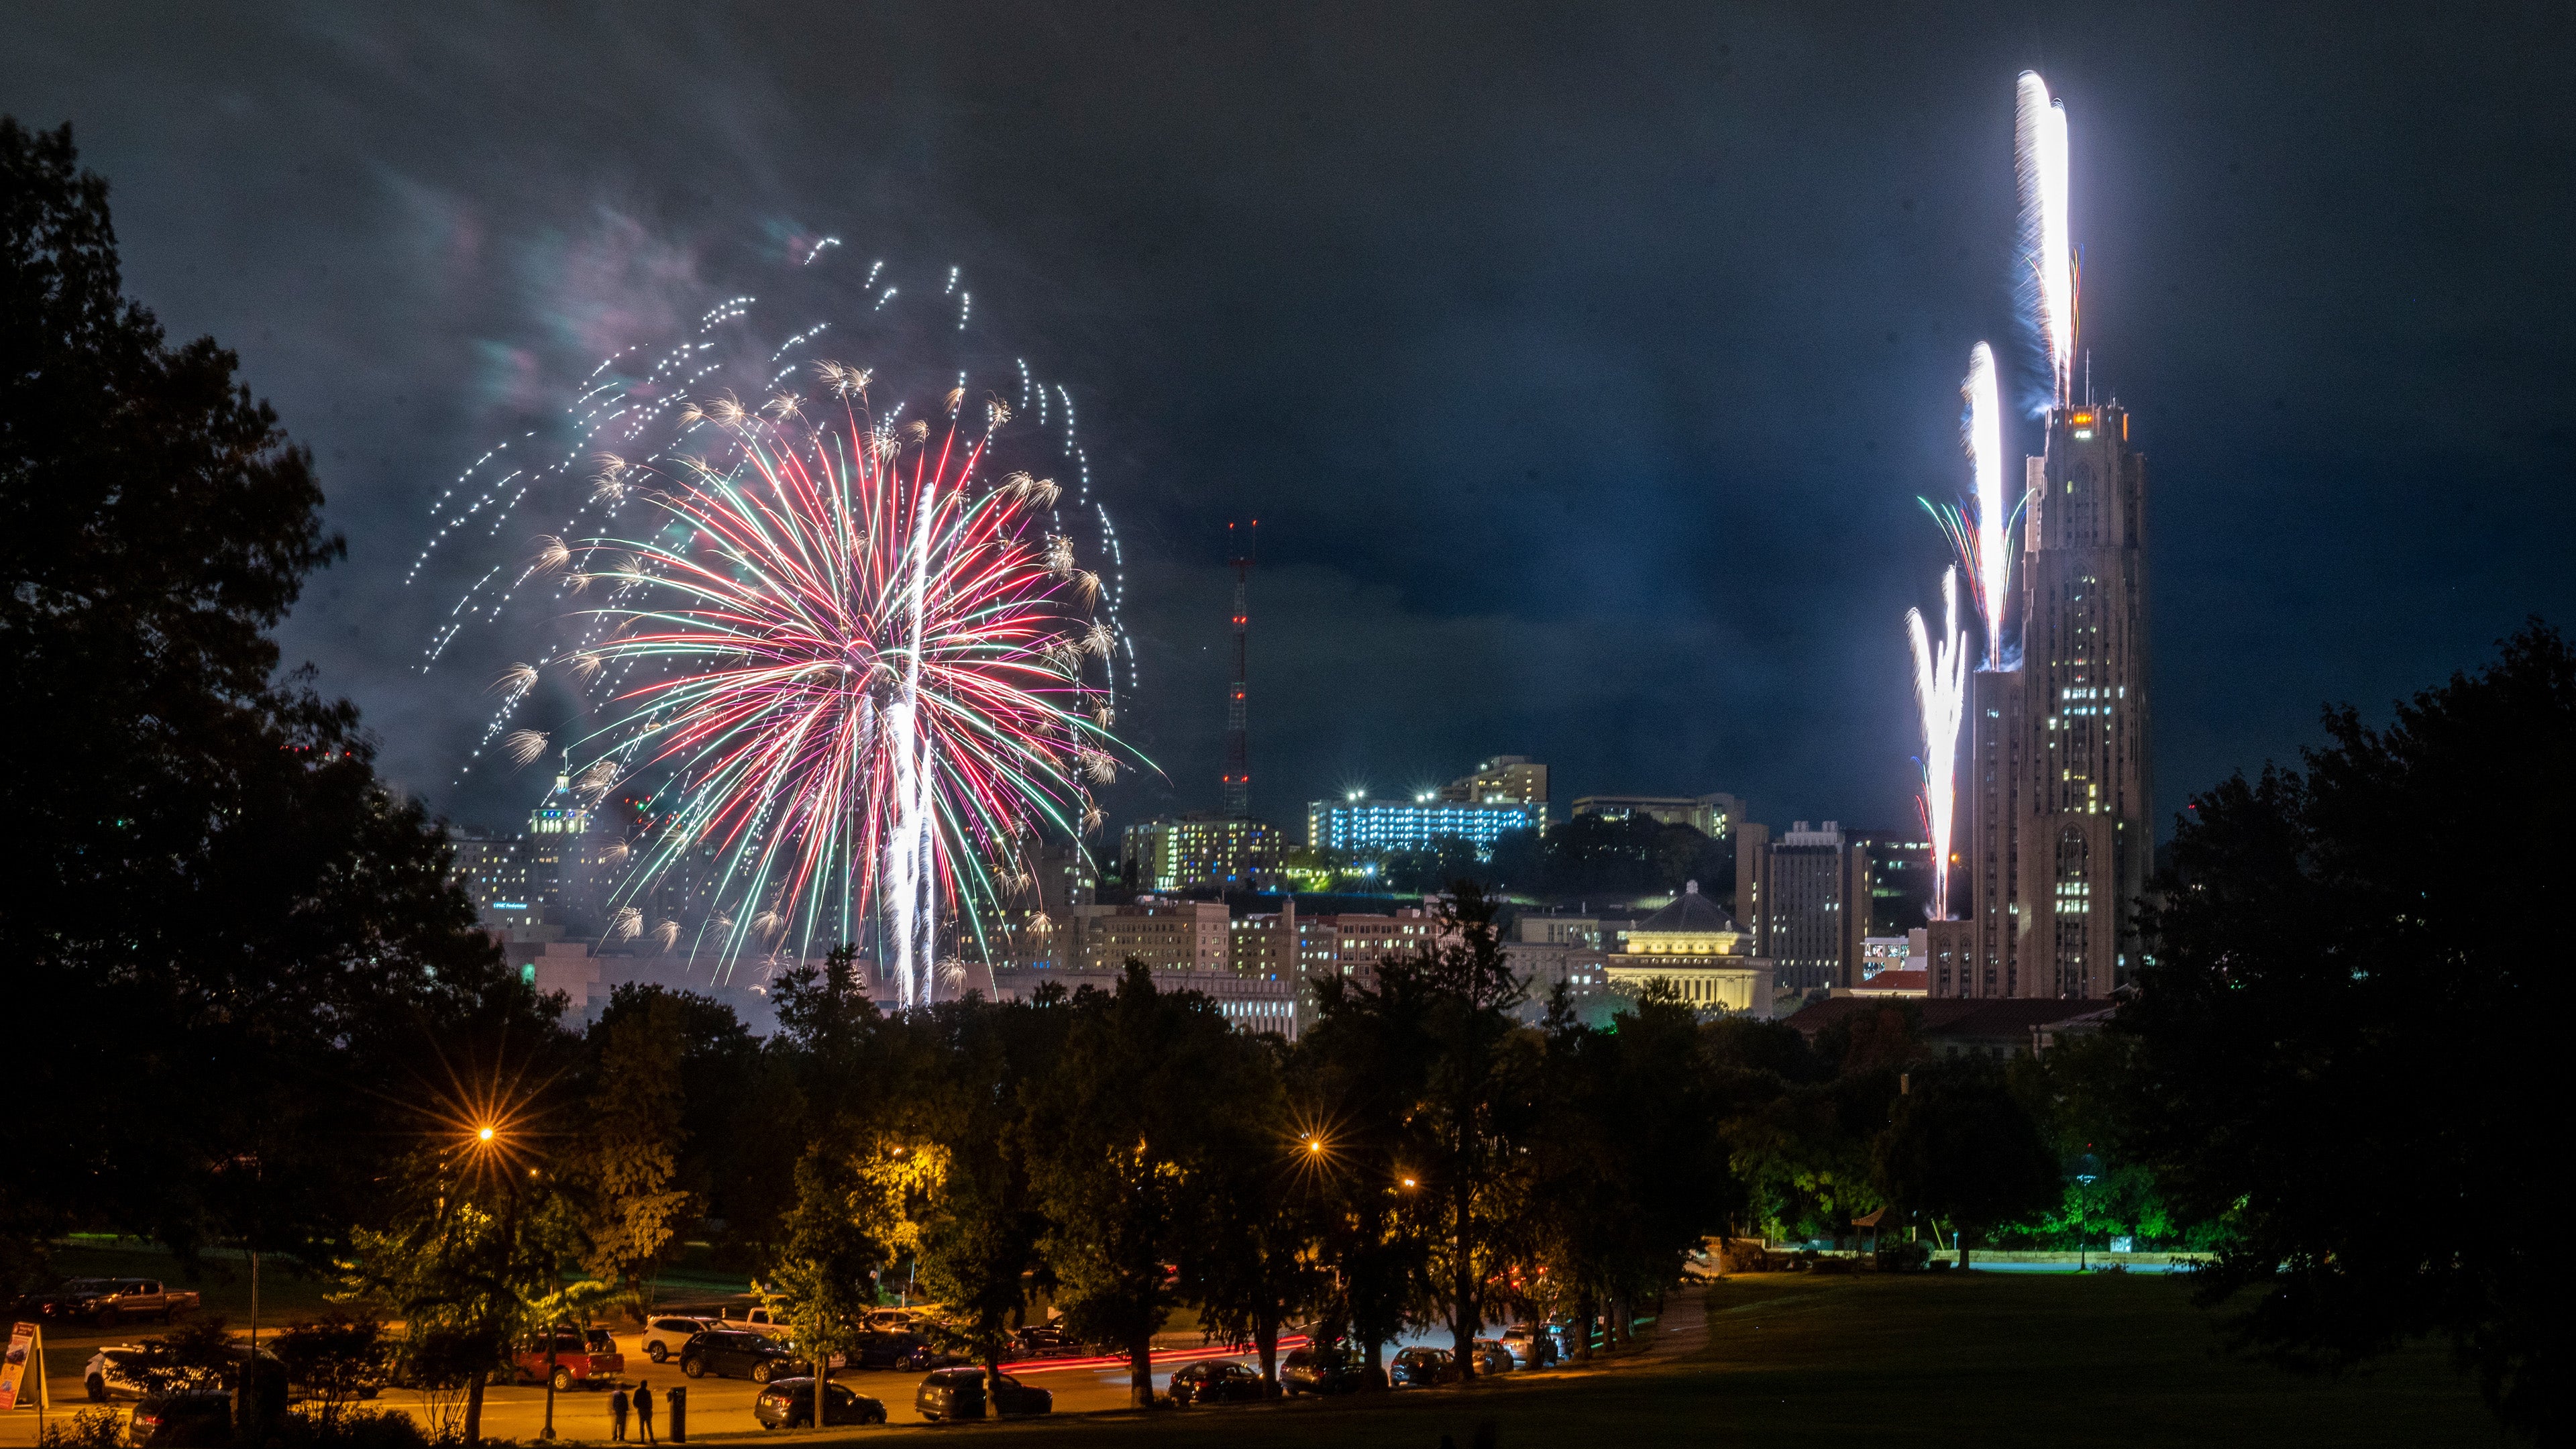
(1378, 826)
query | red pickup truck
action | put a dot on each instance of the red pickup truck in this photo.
(580, 1355)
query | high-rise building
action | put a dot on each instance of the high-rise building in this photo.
(2058, 827)
(1198, 850)
(1714, 816)
(494, 871)
(1503, 780)
(556, 846)
(1376, 826)
(1811, 898)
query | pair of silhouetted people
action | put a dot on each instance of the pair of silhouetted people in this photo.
(643, 1414)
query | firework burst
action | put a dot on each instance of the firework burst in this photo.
(858, 676)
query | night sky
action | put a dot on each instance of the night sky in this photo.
(1582, 364)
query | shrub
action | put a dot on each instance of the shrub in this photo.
(1903, 1257)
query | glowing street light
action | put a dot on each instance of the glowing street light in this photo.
(484, 1135)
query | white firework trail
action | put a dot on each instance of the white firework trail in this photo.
(2048, 248)
(1940, 690)
(1992, 586)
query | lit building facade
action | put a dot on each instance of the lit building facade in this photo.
(1503, 780)
(1696, 947)
(1379, 826)
(1165, 935)
(1200, 850)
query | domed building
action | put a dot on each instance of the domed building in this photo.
(1694, 944)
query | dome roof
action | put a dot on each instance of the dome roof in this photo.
(1690, 913)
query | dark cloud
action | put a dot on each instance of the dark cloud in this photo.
(1582, 363)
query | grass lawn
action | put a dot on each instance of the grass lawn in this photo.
(1934, 1359)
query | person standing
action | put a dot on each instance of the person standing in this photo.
(643, 1412)
(617, 1416)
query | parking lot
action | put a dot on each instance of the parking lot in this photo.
(715, 1406)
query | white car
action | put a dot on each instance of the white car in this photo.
(105, 1373)
(664, 1335)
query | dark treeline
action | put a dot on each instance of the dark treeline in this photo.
(249, 1008)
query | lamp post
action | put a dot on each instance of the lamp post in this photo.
(2087, 1168)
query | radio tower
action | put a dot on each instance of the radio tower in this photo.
(1238, 738)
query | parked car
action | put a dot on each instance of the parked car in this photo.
(1421, 1366)
(109, 1301)
(732, 1353)
(972, 1393)
(1492, 1357)
(663, 1336)
(1217, 1381)
(789, 1404)
(1313, 1370)
(1532, 1347)
(891, 1320)
(892, 1348)
(182, 1420)
(580, 1354)
(110, 1371)
(1046, 1340)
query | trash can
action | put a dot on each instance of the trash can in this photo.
(679, 1416)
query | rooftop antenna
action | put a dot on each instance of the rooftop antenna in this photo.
(1237, 798)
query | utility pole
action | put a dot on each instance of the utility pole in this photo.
(1237, 796)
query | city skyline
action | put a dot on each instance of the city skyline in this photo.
(1705, 598)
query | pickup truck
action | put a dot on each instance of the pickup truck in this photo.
(580, 1356)
(107, 1301)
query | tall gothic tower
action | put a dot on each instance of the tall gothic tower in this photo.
(2058, 830)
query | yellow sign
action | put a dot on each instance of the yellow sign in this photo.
(22, 1342)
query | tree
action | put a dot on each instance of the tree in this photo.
(199, 851)
(824, 1277)
(471, 1258)
(1476, 1098)
(2352, 976)
(335, 1359)
(1960, 1145)
(633, 1213)
(1355, 1078)
(1120, 1146)
(1626, 1170)
(976, 1069)
(1260, 1271)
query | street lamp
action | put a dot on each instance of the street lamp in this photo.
(2087, 1168)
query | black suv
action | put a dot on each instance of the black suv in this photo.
(1324, 1371)
(961, 1393)
(1217, 1381)
(733, 1353)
